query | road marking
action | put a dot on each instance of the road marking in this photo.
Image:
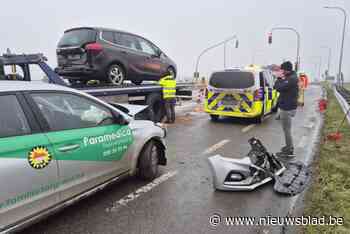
(302, 142)
(216, 146)
(310, 125)
(144, 189)
(267, 117)
(249, 127)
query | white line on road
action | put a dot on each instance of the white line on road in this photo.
(144, 189)
(249, 127)
(267, 117)
(302, 142)
(215, 147)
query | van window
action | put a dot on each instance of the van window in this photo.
(108, 36)
(146, 47)
(232, 80)
(267, 79)
(77, 37)
(129, 41)
(12, 119)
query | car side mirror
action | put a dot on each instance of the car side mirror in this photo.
(119, 119)
(159, 53)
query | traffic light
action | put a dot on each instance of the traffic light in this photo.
(237, 44)
(270, 38)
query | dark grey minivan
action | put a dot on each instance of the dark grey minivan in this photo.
(112, 56)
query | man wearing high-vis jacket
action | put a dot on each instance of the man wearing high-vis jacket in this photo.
(169, 95)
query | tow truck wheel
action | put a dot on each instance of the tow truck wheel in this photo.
(214, 118)
(73, 81)
(148, 161)
(115, 74)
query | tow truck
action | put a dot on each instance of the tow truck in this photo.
(146, 94)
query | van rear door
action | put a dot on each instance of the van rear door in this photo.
(71, 49)
(231, 91)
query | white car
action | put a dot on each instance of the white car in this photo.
(58, 145)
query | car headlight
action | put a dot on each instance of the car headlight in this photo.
(162, 126)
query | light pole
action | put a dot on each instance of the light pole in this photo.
(236, 46)
(196, 74)
(342, 42)
(329, 57)
(297, 63)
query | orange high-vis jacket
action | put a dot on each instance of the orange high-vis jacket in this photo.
(303, 81)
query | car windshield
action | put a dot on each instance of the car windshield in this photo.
(232, 80)
(77, 37)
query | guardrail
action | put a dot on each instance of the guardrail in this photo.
(343, 96)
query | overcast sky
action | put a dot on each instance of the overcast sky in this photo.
(183, 28)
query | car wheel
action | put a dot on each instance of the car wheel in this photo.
(148, 161)
(275, 108)
(259, 119)
(137, 82)
(115, 74)
(172, 72)
(214, 118)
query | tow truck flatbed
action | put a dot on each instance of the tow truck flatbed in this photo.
(110, 90)
(144, 94)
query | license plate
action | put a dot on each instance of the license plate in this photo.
(74, 56)
(229, 101)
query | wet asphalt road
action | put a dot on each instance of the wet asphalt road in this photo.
(184, 202)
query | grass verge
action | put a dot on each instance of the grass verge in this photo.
(330, 193)
(347, 85)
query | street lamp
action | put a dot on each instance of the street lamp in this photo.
(196, 73)
(297, 63)
(342, 43)
(329, 57)
(236, 46)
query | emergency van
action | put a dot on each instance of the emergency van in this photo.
(245, 93)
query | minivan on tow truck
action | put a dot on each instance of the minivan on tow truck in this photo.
(109, 55)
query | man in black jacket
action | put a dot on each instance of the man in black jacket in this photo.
(2, 70)
(287, 86)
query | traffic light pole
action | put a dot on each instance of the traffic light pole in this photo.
(225, 45)
(297, 63)
(196, 74)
